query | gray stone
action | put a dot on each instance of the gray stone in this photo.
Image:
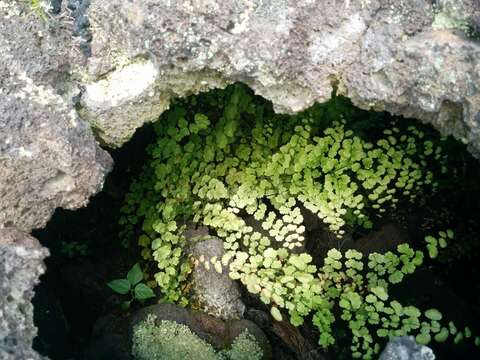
(213, 291)
(405, 348)
(109, 340)
(49, 157)
(221, 334)
(458, 14)
(401, 56)
(20, 266)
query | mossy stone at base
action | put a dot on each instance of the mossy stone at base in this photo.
(220, 334)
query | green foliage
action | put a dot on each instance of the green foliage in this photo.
(132, 285)
(40, 8)
(229, 163)
(441, 242)
(246, 161)
(172, 341)
(245, 347)
(168, 341)
(73, 249)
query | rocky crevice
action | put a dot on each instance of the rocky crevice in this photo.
(393, 55)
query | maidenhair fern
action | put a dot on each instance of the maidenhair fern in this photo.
(230, 164)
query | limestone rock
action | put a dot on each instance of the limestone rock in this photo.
(21, 263)
(48, 155)
(405, 348)
(393, 55)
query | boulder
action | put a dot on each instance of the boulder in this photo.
(49, 157)
(398, 56)
(212, 291)
(219, 333)
(20, 267)
(405, 348)
(118, 64)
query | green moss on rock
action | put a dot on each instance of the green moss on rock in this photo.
(172, 341)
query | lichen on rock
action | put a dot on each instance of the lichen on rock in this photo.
(205, 331)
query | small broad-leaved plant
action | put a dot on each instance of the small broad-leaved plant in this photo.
(225, 161)
(133, 286)
(441, 242)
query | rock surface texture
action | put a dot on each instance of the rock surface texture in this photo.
(220, 334)
(212, 289)
(117, 64)
(20, 266)
(408, 57)
(48, 156)
(112, 65)
(405, 348)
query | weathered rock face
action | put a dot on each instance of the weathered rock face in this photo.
(48, 158)
(212, 289)
(405, 348)
(48, 155)
(20, 266)
(401, 56)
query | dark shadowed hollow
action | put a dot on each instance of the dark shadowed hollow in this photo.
(86, 253)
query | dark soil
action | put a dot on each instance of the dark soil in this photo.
(73, 294)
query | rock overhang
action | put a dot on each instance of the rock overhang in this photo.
(388, 55)
(404, 57)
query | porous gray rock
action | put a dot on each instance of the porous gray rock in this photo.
(21, 263)
(405, 348)
(408, 57)
(464, 14)
(49, 157)
(212, 290)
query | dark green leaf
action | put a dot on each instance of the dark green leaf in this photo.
(126, 305)
(143, 292)
(120, 286)
(135, 275)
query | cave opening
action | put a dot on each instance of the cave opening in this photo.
(85, 255)
(80, 317)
